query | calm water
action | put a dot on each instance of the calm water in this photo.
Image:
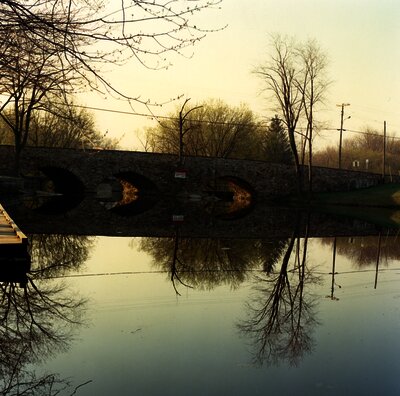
(127, 316)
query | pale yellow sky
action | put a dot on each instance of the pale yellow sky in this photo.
(361, 38)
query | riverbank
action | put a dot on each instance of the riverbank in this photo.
(379, 204)
(380, 196)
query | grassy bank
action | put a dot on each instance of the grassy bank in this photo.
(382, 196)
(379, 204)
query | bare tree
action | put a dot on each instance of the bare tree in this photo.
(282, 78)
(90, 33)
(67, 126)
(294, 77)
(364, 152)
(313, 88)
(211, 128)
(28, 77)
(59, 46)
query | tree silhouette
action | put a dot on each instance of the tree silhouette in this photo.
(281, 315)
(212, 129)
(40, 318)
(362, 250)
(53, 48)
(29, 77)
(294, 75)
(56, 254)
(206, 263)
(88, 34)
(36, 321)
(276, 147)
(69, 127)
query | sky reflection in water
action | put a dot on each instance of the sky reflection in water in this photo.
(144, 339)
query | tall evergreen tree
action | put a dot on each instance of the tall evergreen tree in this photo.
(276, 146)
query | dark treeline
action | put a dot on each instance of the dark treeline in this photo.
(66, 126)
(364, 152)
(213, 128)
(207, 263)
(363, 251)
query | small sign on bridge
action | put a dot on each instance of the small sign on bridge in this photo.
(181, 174)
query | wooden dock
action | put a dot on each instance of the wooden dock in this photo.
(9, 232)
(15, 260)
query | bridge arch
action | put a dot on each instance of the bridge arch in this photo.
(57, 190)
(138, 194)
(142, 183)
(235, 197)
(64, 181)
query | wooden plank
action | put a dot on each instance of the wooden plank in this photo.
(11, 236)
(10, 241)
(9, 231)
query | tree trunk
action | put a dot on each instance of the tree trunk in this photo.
(298, 170)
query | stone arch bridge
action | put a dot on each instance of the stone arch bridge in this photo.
(96, 171)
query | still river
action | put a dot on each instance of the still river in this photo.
(169, 316)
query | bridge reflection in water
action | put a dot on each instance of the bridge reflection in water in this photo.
(212, 242)
(196, 216)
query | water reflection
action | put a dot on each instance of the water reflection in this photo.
(334, 273)
(55, 254)
(281, 319)
(362, 251)
(282, 313)
(204, 263)
(39, 319)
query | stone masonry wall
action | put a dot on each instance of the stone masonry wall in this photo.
(267, 180)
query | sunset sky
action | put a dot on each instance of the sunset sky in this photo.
(360, 37)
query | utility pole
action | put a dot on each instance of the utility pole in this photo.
(341, 131)
(384, 151)
(378, 255)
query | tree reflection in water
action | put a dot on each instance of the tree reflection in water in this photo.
(363, 250)
(38, 319)
(56, 255)
(205, 263)
(281, 314)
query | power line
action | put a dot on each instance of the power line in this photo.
(171, 118)
(372, 134)
(361, 132)
(155, 116)
(98, 274)
(375, 108)
(255, 270)
(119, 111)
